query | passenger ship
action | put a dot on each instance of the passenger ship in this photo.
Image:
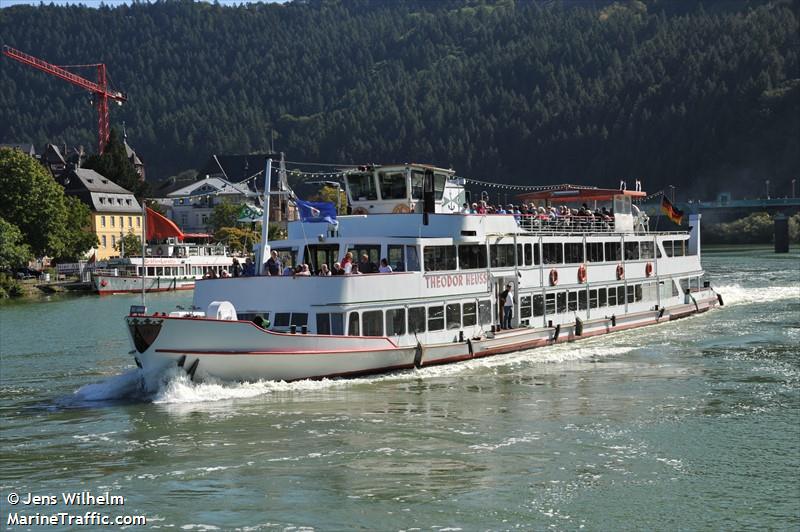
(571, 280)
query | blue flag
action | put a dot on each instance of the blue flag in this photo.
(317, 211)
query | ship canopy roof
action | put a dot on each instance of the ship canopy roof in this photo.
(578, 193)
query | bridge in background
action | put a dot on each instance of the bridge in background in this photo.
(725, 209)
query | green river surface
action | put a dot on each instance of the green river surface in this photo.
(687, 425)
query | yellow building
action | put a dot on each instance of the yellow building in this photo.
(115, 210)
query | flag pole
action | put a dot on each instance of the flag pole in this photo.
(144, 245)
(264, 248)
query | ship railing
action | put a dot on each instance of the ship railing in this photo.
(565, 224)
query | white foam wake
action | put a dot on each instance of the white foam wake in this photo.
(123, 386)
(735, 294)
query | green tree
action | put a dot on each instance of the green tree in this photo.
(115, 165)
(328, 193)
(237, 239)
(13, 251)
(78, 236)
(225, 214)
(131, 243)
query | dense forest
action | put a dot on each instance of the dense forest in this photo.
(704, 96)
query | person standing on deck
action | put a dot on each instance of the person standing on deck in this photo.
(273, 264)
(508, 306)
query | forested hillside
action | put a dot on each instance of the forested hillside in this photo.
(702, 96)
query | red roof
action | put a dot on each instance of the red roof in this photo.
(575, 193)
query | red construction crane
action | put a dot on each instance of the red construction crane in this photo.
(100, 89)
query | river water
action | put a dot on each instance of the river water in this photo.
(693, 424)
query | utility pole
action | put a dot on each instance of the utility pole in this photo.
(766, 182)
(672, 193)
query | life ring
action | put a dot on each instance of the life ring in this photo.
(401, 209)
(553, 277)
(620, 272)
(103, 283)
(582, 273)
(648, 269)
(360, 210)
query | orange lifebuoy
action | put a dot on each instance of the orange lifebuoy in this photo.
(553, 277)
(582, 273)
(620, 272)
(401, 209)
(648, 269)
(103, 283)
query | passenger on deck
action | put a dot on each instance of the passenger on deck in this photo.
(249, 268)
(354, 270)
(273, 265)
(347, 263)
(337, 269)
(474, 208)
(385, 268)
(508, 306)
(465, 209)
(366, 266)
(236, 267)
(482, 208)
(324, 271)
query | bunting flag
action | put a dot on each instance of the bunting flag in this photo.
(316, 211)
(160, 227)
(674, 214)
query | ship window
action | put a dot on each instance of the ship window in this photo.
(470, 317)
(553, 253)
(631, 251)
(472, 256)
(550, 304)
(631, 295)
(573, 252)
(316, 255)
(613, 252)
(646, 249)
(529, 255)
(416, 320)
(395, 322)
(323, 323)
(602, 299)
(299, 319)
(612, 296)
(435, 318)
(417, 184)
(561, 302)
(282, 319)
(594, 251)
(287, 256)
(572, 301)
(485, 312)
(396, 258)
(538, 305)
(525, 307)
(453, 316)
(412, 259)
(592, 298)
(393, 185)
(373, 323)
(679, 249)
(502, 255)
(330, 323)
(362, 187)
(372, 251)
(519, 255)
(438, 258)
(621, 295)
(582, 300)
(352, 325)
(637, 292)
(439, 181)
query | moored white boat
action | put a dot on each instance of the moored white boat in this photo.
(571, 278)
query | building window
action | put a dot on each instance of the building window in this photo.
(122, 221)
(102, 200)
(103, 221)
(104, 241)
(113, 221)
(130, 221)
(113, 241)
(138, 222)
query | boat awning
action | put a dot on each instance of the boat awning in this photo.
(197, 235)
(578, 194)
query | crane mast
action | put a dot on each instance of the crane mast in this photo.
(99, 89)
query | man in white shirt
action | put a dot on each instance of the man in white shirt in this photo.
(508, 307)
(384, 267)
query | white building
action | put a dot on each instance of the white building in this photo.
(192, 205)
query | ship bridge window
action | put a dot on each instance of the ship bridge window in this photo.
(631, 251)
(372, 322)
(362, 187)
(416, 320)
(393, 185)
(439, 258)
(317, 255)
(439, 181)
(396, 258)
(502, 255)
(553, 253)
(613, 251)
(395, 322)
(573, 252)
(594, 251)
(287, 256)
(471, 256)
(417, 184)
(370, 250)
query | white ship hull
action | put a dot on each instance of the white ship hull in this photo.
(241, 351)
(121, 284)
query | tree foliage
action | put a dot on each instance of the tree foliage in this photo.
(225, 214)
(115, 165)
(132, 245)
(701, 95)
(237, 239)
(51, 223)
(13, 250)
(757, 228)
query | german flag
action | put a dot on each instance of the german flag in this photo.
(676, 215)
